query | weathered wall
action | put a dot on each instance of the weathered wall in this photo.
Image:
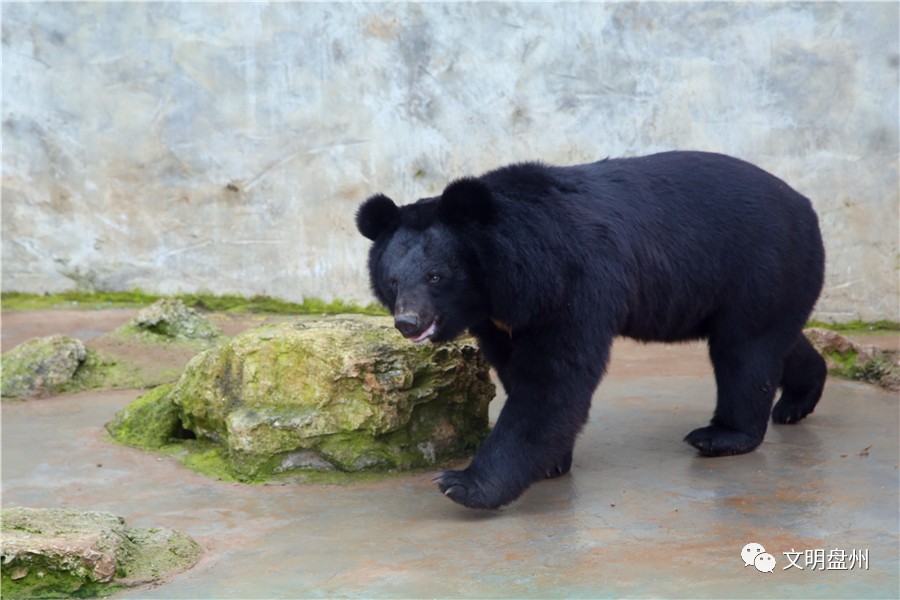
(224, 147)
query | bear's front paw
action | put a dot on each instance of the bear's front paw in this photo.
(469, 490)
(716, 440)
(562, 467)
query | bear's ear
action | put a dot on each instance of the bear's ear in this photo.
(377, 215)
(465, 200)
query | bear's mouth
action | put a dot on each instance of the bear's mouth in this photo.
(425, 334)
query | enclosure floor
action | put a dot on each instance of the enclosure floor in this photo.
(640, 515)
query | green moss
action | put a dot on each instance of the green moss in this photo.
(207, 458)
(213, 460)
(872, 371)
(858, 326)
(100, 370)
(26, 301)
(45, 580)
(268, 305)
(151, 421)
(151, 554)
(210, 302)
(849, 366)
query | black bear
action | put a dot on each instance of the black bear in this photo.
(545, 265)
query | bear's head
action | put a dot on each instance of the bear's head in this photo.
(424, 260)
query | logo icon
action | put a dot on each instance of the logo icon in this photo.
(764, 563)
(754, 554)
(750, 552)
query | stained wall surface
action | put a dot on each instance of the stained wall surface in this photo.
(224, 147)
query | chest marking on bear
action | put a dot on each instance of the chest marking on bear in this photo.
(502, 326)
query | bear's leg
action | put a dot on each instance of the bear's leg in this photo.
(548, 400)
(523, 448)
(801, 383)
(747, 374)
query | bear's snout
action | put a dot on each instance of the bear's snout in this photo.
(413, 328)
(407, 324)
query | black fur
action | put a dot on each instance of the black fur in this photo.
(377, 215)
(546, 265)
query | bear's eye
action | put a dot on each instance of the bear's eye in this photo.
(393, 283)
(433, 277)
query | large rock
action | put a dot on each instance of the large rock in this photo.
(346, 393)
(41, 366)
(60, 553)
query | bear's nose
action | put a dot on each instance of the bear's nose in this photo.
(408, 324)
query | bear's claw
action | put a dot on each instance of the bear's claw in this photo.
(463, 488)
(561, 468)
(788, 413)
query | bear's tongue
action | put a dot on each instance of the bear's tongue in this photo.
(425, 334)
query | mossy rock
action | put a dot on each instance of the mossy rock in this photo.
(170, 319)
(848, 359)
(343, 393)
(63, 553)
(41, 366)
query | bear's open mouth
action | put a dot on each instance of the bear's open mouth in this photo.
(425, 334)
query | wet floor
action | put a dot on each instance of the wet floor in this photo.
(641, 515)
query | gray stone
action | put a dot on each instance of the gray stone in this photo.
(41, 366)
(58, 553)
(170, 318)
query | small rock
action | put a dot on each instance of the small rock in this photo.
(846, 358)
(170, 318)
(57, 553)
(828, 342)
(41, 366)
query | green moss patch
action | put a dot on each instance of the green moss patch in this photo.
(858, 326)
(209, 302)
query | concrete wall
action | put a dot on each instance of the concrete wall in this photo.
(224, 147)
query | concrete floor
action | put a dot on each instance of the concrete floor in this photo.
(641, 515)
